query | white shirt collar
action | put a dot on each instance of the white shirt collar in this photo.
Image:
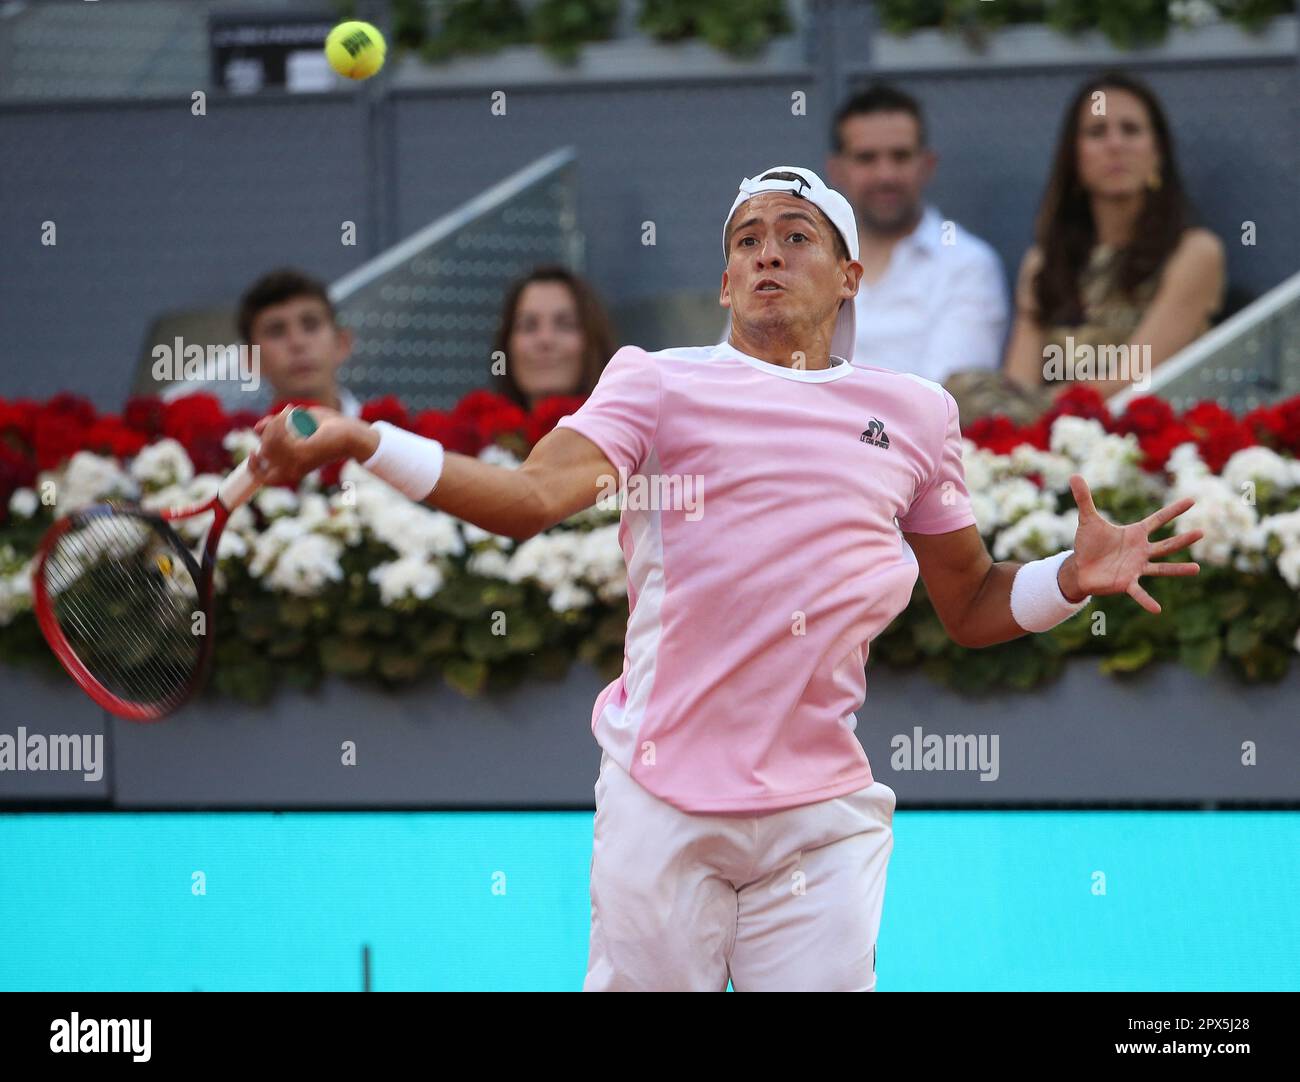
(838, 370)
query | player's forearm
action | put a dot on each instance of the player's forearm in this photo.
(509, 502)
(988, 619)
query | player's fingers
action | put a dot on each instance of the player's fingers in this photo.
(1143, 598)
(1082, 496)
(1172, 569)
(1173, 544)
(1171, 511)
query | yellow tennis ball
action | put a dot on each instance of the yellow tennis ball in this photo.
(355, 50)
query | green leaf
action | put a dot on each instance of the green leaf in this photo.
(1201, 655)
(1129, 660)
(346, 656)
(467, 677)
(1243, 638)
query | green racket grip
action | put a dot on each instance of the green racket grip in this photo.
(301, 423)
(240, 484)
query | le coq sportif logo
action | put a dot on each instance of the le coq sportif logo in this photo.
(874, 434)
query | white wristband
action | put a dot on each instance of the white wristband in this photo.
(1037, 603)
(410, 463)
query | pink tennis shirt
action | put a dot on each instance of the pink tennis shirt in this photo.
(762, 525)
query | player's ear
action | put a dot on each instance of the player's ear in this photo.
(345, 342)
(724, 295)
(853, 271)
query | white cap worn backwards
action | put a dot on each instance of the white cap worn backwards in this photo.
(808, 185)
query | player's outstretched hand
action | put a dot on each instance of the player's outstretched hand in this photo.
(285, 458)
(1109, 559)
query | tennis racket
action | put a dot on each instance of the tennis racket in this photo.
(125, 605)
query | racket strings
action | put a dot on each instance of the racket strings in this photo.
(124, 599)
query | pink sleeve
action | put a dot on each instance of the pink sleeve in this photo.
(943, 504)
(622, 414)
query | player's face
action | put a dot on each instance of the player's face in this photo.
(1117, 150)
(546, 343)
(301, 347)
(783, 241)
(883, 169)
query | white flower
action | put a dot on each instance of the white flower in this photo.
(1111, 462)
(87, 479)
(241, 443)
(475, 535)
(985, 512)
(274, 501)
(1193, 12)
(410, 576)
(1055, 470)
(1288, 566)
(1036, 535)
(161, 464)
(1258, 464)
(271, 542)
(490, 563)
(1229, 522)
(412, 529)
(15, 593)
(306, 564)
(1016, 497)
(1185, 461)
(23, 503)
(981, 467)
(1075, 437)
(496, 455)
(568, 596)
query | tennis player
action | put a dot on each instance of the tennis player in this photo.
(739, 832)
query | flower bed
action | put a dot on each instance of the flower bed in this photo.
(343, 575)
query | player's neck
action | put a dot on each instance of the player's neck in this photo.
(787, 354)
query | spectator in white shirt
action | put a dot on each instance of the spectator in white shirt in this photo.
(933, 297)
(289, 316)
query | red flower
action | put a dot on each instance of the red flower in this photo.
(57, 437)
(1145, 416)
(389, 408)
(1158, 446)
(329, 473)
(18, 420)
(547, 413)
(995, 433)
(242, 419)
(109, 436)
(1038, 434)
(72, 406)
(1268, 425)
(1288, 414)
(454, 433)
(1079, 401)
(144, 413)
(16, 471)
(1218, 434)
(492, 423)
(193, 413)
(479, 402)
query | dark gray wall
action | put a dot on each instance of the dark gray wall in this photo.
(1164, 736)
(158, 209)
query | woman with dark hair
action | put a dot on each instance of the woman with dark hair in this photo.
(554, 335)
(1117, 261)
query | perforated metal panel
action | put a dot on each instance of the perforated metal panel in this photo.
(424, 313)
(1250, 361)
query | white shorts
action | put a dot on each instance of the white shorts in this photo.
(782, 901)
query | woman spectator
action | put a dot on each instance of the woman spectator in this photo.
(555, 337)
(1116, 262)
